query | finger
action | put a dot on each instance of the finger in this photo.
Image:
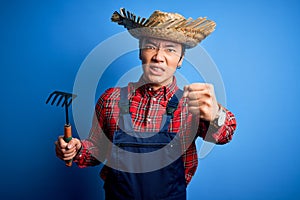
(71, 144)
(194, 103)
(69, 156)
(65, 154)
(62, 149)
(194, 110)
(58, 148)
(193, 95)
(58, 152)
(187, 89)
(78, 144)
(61, 142)
(200, 86)
(198, 95)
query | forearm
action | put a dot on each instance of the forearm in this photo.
(94, 148)
(221, 135)
(85, 157)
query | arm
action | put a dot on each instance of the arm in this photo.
(84, 153)
(94, 148)
(87, 152)
(221, 135)
(202, 103)
(81, 152)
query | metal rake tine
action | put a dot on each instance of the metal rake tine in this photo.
(73, 97)
(55, 97)
(67, 97)
(62, 95)
(69, 103)
(66, 102)
(50, 96)
(69, 100)
(59, 100)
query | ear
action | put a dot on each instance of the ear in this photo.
(140, 54)
(180, 61)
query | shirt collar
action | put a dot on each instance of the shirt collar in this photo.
(165, 92)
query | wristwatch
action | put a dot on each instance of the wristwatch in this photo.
(220, 119)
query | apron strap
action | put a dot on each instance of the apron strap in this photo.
(125, 122)
(171, 107)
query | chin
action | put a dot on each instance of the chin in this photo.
(154, 81)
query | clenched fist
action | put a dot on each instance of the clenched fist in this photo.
(67, 151)
(202, 100)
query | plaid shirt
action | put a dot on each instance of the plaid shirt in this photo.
(147, 108)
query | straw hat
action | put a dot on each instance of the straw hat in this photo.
(168, 26)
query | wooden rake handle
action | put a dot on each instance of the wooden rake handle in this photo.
(68, 138)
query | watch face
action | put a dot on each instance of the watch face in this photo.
(222, 118)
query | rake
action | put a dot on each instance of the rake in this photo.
(64, 99)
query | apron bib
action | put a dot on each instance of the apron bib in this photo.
(131, 178)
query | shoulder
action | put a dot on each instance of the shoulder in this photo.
(111, 94)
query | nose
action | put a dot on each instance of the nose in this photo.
(159, 56)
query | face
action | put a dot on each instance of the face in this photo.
(160, 59)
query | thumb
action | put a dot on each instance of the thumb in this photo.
(185, 90)
(78, 144)
(71, 143)
(74, 143)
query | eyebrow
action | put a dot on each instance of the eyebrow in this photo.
(171, 45)
(149, 41)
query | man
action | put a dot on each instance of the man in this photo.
(146, 132)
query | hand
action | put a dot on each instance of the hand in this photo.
(202, 100)
(67, 151)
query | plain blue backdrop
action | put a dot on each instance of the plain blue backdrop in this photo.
(255, 46)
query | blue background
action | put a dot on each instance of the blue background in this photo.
(255, 46)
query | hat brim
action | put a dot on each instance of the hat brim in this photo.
(168, 34)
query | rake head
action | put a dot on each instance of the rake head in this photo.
(62, 98)
(59, 96)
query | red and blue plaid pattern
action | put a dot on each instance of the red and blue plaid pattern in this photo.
(147, 108)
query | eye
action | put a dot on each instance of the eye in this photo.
(149, 47)
(171, 50)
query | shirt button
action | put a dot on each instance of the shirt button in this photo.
(148, 120)
(154, 99)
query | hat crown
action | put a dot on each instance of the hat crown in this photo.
(160, 16)
(166, 25)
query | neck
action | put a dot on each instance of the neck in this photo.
(156, 86)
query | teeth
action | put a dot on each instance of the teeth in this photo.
(157, 69)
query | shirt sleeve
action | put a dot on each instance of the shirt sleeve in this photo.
(94, 148)
(222, 135)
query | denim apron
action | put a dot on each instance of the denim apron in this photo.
(130, 177)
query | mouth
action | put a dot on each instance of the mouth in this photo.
(156, 69)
